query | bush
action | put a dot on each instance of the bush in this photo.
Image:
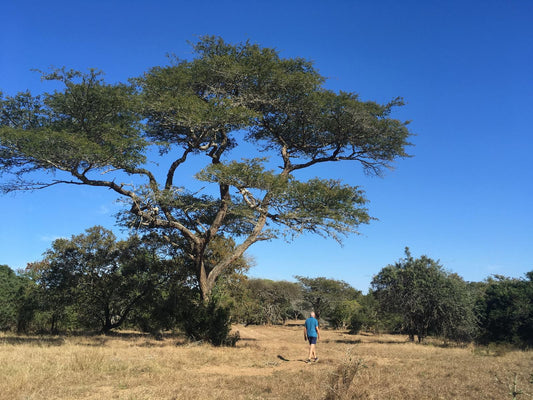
(210, 323)
(506, 308)
(342, 379)
(341, 314)
(356, 323)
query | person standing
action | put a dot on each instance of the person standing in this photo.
(311, 334)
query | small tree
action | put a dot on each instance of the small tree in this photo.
(429, 299)
(104, 279)
(17, 300)
(342, 313)
(331, 299)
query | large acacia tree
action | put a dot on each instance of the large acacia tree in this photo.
(110, 135)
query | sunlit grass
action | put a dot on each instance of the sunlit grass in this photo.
(267, 364)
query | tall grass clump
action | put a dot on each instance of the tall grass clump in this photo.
(341, 379)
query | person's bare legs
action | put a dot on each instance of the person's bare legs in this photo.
(312, 351)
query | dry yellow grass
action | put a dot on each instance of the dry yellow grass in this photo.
(268, 363)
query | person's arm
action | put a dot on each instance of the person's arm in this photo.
(317, 333)
(305, 333)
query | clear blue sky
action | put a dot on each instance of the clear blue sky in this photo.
(465, 69)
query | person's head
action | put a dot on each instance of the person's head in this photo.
(313, 314)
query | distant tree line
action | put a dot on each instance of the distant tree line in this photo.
(94, 282)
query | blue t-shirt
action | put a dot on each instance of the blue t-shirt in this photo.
(310, 325)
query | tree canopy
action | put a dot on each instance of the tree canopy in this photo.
(120, 135)
(329, 298)
(102, 278)
(428, 298)
(506, 308)
(9, 288)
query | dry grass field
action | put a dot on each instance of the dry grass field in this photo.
(268, 363)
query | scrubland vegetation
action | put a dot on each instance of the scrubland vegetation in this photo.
(127, 324)
(267, 363)
(183, 269)
(94, 283)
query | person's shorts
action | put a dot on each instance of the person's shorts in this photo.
(312, 339)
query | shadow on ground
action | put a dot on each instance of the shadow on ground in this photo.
(35, 341)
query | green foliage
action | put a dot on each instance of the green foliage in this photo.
(10, 288)
(18, 300)
(506, 307)
(320, 206)
(94, 133)
(102, 278)
(89, 125)
(260, 301)
(28, 302)
(342, 313)
(370, 318)
(55, 306)
(160, 309)
(429, 299)
(208, 322)
(232, 291)
(277, 300)
(332, 300)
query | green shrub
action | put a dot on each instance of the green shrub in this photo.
(210, 323)
(342, 312)
(356, 323)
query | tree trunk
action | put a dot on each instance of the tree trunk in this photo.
(205, 290)
(203, 281)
